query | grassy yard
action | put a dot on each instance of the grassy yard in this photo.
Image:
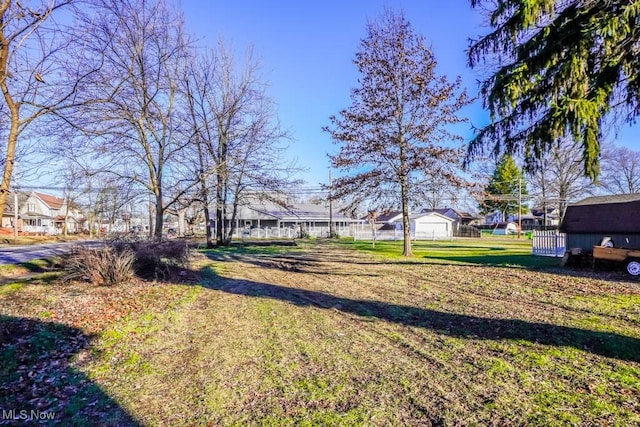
(496, 251)
(472, 332)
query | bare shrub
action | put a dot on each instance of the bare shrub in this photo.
(119, 260)
(154, 259)
(106, 266)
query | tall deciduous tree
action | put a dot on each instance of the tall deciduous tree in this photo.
(505, 189)
(401, 113)
(559, 177)
(561, 68)
(237, 136)
(34, 66)
(135, 111)
(620, 170)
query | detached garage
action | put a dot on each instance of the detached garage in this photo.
(431, 226)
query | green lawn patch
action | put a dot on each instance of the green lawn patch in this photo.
(496, 252)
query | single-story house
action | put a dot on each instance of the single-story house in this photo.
(309, 218)
(588, 221)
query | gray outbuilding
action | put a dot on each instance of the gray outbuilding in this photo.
(587, 222)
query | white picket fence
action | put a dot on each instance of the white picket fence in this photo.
(399, 235)
(288, 232)
(549, 243)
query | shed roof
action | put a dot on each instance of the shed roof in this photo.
(611, 198)
(603, 214)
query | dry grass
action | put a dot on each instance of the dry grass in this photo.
(329, 336)
(325, 335)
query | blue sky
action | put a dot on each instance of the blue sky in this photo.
(306, 49)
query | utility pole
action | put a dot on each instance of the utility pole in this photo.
(519, 206)
(15, 214)
(331, 232)
(15, 202)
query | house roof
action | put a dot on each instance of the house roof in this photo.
(52, 201)
(603, 215)
(389, 216)
(294, 213)
(466, 215)
(441, 211)
(444, 211)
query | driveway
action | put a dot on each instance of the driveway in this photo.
(19, 254)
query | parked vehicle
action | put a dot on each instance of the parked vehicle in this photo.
(629, 257)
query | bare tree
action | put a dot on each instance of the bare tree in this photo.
(135, 113)
(35, 65)
(559, 177)
(239, 142)
(400, 114)
(620, 170)
(112, 199)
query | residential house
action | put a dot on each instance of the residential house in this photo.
(269, 219)
(44, 213)
(9, 215)
(588, 221)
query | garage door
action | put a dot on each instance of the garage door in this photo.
(430, 231)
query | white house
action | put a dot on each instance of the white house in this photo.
(44, 213)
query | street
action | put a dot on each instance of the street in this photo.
(19, 254)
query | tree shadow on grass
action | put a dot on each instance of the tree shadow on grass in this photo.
(496, 259)
(39, 386)
(305, 262)
(457, 325)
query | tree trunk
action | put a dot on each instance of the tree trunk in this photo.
(205, 197)
(157, 232)
(182, 229)
(207, 215)
(407, 251)
(373, 233)
(221, 200)
(219, 212)
(12, 141)
(207, 221)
